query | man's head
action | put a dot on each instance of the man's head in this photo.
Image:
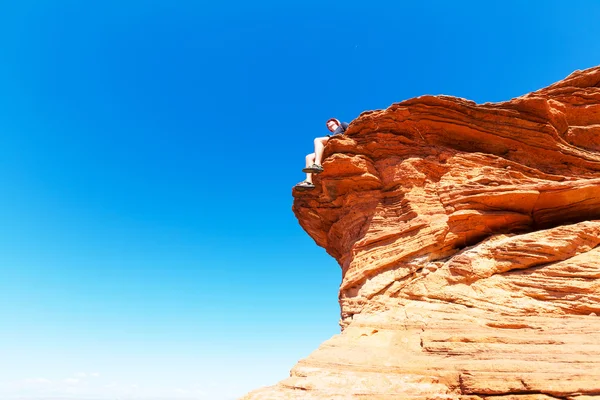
(332, 124)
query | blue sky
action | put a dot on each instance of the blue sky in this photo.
(147, 154)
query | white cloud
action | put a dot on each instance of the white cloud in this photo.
(90, 385)
(71, 381)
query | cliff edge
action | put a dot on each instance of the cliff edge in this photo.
(467, 236)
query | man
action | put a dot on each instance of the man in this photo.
(313, 160)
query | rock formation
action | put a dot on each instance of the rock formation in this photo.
(468, 236)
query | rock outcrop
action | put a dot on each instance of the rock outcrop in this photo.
(468, 236)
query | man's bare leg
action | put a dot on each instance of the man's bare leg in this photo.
(310, 160)
(319, 146)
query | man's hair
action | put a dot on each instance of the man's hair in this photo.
(333, 120)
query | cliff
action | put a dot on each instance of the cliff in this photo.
(467, 236)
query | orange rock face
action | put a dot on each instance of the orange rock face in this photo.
(468, 241)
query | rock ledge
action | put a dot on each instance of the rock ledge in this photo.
(467, 237)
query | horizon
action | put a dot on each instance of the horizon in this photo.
(149, 152)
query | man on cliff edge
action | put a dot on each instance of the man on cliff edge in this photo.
(313, 160)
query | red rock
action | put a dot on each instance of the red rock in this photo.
(468, 241)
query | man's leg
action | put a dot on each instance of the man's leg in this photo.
(320, 143)
(310, 160)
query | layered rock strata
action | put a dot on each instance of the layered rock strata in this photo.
(467, 236)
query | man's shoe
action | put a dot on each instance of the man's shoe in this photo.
(302, 186)
(313, 169)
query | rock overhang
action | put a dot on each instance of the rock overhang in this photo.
(432, 175)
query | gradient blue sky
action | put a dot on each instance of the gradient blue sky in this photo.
(147, 154)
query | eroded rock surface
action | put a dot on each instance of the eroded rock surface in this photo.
(468, 241)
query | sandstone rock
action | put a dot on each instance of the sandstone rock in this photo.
(467, 237)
